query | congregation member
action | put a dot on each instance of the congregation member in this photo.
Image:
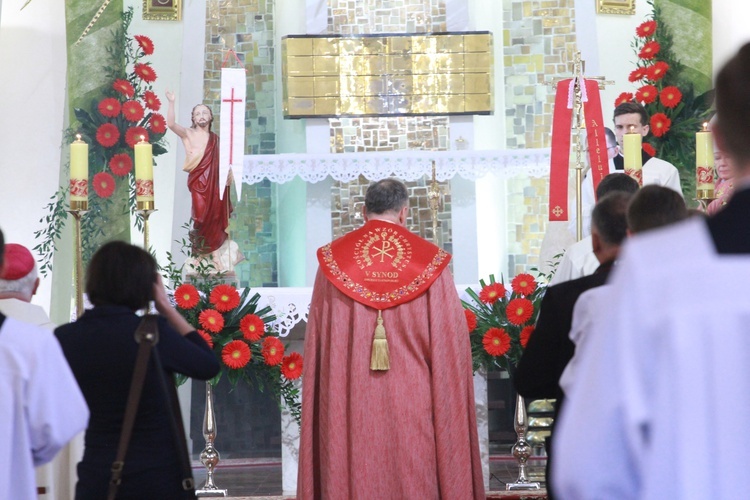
(101, 349)
(549, 349)
(653, 414)
(42, 407)
(579, 259)
(725, 173)
(652, 207)
(387, 398)
(19, 281)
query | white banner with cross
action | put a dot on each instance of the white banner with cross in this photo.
(232, 123)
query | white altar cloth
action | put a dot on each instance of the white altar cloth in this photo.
(409, 165)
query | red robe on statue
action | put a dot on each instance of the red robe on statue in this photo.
(210, 214)
(410, 431)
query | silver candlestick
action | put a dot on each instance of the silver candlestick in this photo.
(522, 449)
(210, 456)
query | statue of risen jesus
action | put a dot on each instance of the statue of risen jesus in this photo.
(210, 214)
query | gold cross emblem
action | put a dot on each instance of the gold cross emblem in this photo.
(384, 250)
(557, 211)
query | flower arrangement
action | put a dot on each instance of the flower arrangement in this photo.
(126, 110)
(238, 332)
(675, 112)
(501, 321)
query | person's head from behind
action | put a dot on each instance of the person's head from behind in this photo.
(655, 206)
(18, 277)
(612, 148)
(387, 199)
(630, 116)
(733, 109)
(616, 182)
(609, 224)
(121, 274)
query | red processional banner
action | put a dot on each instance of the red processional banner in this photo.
(561, 132)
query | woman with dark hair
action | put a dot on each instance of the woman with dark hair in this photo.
(101, 349)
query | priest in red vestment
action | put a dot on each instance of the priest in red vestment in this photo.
(210, 214)
(388, 398)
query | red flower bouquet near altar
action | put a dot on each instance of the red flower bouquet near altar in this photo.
(239, 332)
(501, 321)
(663, 88)
(126, 110)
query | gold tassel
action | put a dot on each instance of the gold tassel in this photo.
(380, 359)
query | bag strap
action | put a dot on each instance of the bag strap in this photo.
(147, 335)
(178, 429)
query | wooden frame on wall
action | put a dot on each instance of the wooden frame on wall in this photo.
(622, 7)
(162, 10)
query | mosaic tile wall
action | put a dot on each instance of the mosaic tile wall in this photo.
(356, 17)
(538, 44)
(247, 27)
(527, 220)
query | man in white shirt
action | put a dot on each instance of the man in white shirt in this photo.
(653, 414)
(18, 284)
(579, 259)
(42, 407)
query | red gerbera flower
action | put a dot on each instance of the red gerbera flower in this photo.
(132, 111)
(211, 320)
(496, 341)
(252, 327)
(637, 75)
(523, 284)
(670, 97)
(649, 50)
(656, 71)
(291, 366)
(109, 107)
(519, 311)
(236, 354)
(525, 335)
(624, 97)
(471, 319)
(104, 184)
(157, 124)
(133, 135)
(646, 29)
(145, 72)
(121, 164)
(152, 101)
(124, 87)
(660, 124)
(207, 338)
(224, 298)
(107, 135)
(648, 148)
(273, 351)
(646, 94)
(186, 296)
(147, 46)
(492, 293)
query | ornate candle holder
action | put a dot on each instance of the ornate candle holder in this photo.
(433, 194)
(522, 449)
(210, 456)
(144, 210)
(78, 209)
